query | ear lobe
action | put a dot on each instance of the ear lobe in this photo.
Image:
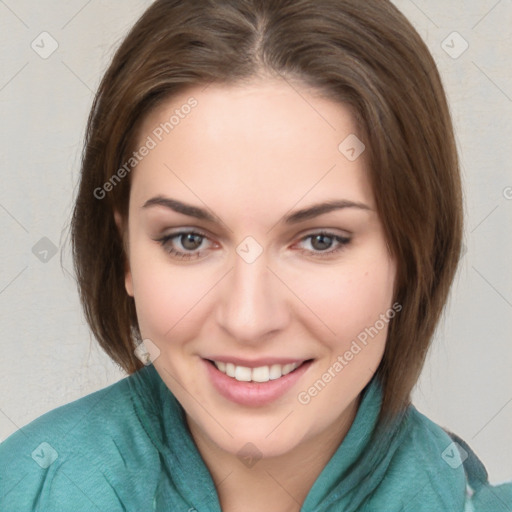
(119, 221)
(128, 281)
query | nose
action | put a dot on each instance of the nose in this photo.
(253, 302)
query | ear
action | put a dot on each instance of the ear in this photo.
(128, 281)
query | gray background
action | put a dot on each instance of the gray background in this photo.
(47, 355)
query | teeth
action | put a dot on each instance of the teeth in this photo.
(260, 374)
(230, 369)
(287, 368)
(243, 374)
(275, 371)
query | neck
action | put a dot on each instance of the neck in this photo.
(274, 484)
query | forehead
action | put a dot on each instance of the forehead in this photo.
(257, 144)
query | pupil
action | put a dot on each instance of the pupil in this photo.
(190, 238)
(323, 245)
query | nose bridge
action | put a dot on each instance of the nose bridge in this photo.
(252, 304)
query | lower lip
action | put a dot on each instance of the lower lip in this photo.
(253, 393)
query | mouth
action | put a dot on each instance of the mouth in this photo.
(261, 374)
(259, 384)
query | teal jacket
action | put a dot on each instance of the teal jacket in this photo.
(127, 447)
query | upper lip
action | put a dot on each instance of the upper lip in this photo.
(256, 363)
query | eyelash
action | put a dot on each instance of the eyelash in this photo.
(342, 241)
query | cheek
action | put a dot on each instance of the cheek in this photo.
(168, 298)
(349, 299)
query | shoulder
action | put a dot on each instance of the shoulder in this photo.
(457, 473)
(425, 471)
(73, 455)
(434, 469)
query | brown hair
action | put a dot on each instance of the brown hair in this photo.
(363, 54)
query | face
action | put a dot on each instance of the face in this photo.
(270, 315)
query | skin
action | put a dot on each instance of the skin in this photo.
(251, 155)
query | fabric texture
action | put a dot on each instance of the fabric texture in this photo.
(127, 447)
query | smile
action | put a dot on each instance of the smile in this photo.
(259, 374)
(254, 383)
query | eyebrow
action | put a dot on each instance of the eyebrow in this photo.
(293, 218)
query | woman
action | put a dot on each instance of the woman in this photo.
(268, 223)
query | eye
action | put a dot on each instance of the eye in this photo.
(189, 241)
(322, 241)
